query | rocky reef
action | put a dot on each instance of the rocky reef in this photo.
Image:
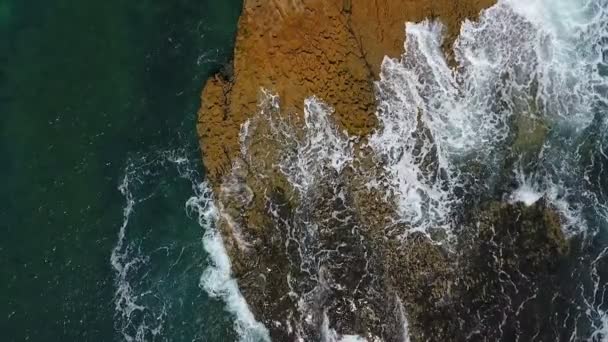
(314, 246)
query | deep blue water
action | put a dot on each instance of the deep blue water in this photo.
(91, 91)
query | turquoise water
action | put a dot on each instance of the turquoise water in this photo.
(92, 91)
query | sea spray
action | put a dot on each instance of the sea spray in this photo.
(134, 321)
(454, 135)
(217, 279)
(142, 307)
(540, 60)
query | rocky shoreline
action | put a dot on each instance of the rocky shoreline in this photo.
(332, 49)
(317, 257)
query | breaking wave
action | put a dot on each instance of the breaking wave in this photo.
(217, 279)
(525, 90)
(521, 114)
(151, 280)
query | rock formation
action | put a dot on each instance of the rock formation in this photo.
(312, 245)
(297, 48)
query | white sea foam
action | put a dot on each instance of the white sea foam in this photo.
(217, 279)
(352, 338)
(322, 148)
(536, 58)
(442, 129)
(126, 260)
(405, 325)
(135, 320)
(243, 136)
(330, 335)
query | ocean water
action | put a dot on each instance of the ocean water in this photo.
(108, 223)
(100, 240)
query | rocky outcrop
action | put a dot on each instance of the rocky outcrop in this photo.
(297, 48)
(314, 248)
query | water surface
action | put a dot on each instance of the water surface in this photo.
(91, 91)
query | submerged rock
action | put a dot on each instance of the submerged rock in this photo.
(509, 257)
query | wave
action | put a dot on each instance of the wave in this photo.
(520, 114)
(143, 310)
(526, 69)
(217, 279)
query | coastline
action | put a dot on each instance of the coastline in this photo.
(331, 49)
(288, 51)
(294, 60)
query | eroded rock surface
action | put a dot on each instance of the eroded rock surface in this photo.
(296, 48)
(313, 245)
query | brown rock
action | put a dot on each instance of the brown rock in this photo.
(332, 49)
(329, 48)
